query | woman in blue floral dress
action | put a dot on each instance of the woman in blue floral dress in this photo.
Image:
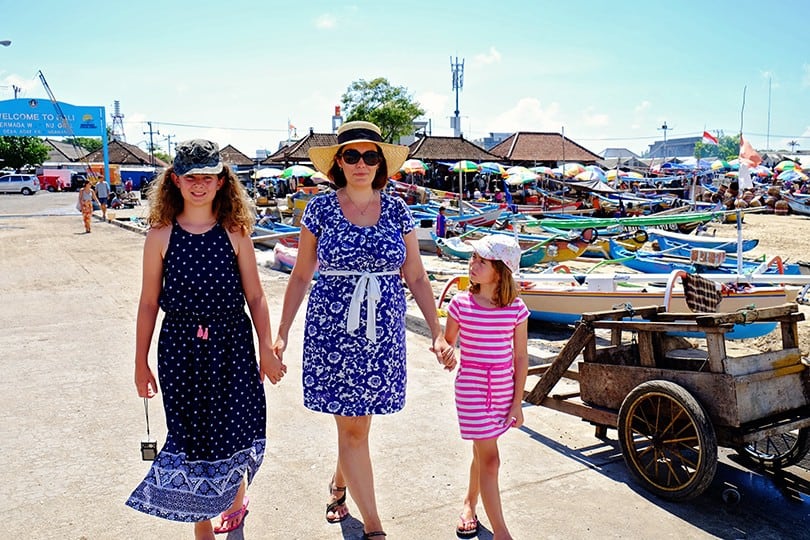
(363, 244)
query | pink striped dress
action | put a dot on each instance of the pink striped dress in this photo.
(485, 384)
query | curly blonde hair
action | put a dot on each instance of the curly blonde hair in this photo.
(507, 289)
(231, 205)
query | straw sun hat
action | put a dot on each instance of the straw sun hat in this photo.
(323, 157)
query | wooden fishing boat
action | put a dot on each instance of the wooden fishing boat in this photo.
(535, 250)
(699, 261)
(667, 240)
(565, 303)
(270, 234)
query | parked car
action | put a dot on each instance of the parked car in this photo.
(27, 184)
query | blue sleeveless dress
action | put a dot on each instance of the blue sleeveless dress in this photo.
(344, 372)
(209, 379)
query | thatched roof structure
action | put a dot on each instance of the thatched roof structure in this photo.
(232, 156)
(298, 151)
(62, 152)
(526, 147)
(434, 148)
(122, 153)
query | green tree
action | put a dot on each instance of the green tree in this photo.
(91, 144)
(390, 107)
(727, 147)
(16, 152)
(160, 154)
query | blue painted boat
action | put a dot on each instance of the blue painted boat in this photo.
(668, 240)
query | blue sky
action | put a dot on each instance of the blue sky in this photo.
(609, 73)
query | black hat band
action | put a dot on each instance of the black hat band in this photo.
(358, 134)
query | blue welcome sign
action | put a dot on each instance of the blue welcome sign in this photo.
(41, 118)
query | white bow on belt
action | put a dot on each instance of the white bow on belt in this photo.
(368, 285)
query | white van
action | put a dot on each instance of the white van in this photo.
(27, 184)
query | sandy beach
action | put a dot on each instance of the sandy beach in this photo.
(72, 422)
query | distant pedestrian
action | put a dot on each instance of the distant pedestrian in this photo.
(441, 227)
(491, 322)
(85, 204)
(103, 193)
(199, 267)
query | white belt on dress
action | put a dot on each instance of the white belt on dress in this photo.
(368, 285)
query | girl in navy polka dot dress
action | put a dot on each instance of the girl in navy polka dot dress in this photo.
(199, 267)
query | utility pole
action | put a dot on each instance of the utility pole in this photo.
(458, 83)
(151, 143)
(665, 128)
(793, 145)
(16, 90)
(169, 144)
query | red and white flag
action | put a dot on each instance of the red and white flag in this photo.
(708, 138)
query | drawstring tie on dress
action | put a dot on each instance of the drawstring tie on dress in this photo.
(202, 333)
(368, 285)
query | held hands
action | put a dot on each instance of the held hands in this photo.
(271, 366)
(445, 353)
(515, 417)
(145, 381)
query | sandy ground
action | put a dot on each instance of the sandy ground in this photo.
(70, 422)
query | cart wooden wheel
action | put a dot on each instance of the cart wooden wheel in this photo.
(667, 440)
(778, 451)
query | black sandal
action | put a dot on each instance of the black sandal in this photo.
(334, 505)
(368, 536)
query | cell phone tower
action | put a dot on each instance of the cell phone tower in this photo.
(458, 83)
(118, 123)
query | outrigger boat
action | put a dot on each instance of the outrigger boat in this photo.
(667, 240)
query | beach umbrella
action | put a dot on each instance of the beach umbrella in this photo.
(590, 175)
(465, 166)
(613, 174)
(267, 172)
(297, 170)
(520, 178)
(634, 174)
(792, 176)
(542, 169)
(570, 170)
(320, 178)
(718, 164)
(762, 171)
(732, 174)
(518, 169)
(414, 166)
(734, 164)
(787, 165)
(490, 167)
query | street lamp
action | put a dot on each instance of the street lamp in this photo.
(5, 42)
(665, 128)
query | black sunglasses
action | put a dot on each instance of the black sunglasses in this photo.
(370, 157)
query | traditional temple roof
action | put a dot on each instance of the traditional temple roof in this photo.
(298, 151)
(550, 148)
(122, 153)
(232, 156)
(62, 152)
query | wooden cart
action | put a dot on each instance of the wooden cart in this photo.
(673, 407)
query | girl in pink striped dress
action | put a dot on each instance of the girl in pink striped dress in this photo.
(490, 321)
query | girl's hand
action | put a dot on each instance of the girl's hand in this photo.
(516, 416)
(445, 353)
(145, 381)
(271, 366)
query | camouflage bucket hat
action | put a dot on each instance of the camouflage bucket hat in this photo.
(197, 156)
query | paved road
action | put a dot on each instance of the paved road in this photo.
(70, 425)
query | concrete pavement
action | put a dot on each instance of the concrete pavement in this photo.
(72, 422)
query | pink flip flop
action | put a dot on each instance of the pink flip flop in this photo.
(234, 520)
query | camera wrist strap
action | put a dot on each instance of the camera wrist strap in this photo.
(146, 411)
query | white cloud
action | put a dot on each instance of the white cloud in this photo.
(490, 57)
(434, 104)
(642, 107)
(326, 21)
(529, 115)
(594, 119)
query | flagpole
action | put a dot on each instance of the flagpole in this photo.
(739, 193)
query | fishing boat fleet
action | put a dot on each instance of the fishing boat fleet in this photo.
(620, 259)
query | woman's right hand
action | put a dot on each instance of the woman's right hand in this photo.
(145, 381)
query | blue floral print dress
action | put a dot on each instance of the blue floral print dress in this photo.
(356, 370)
(209, 378)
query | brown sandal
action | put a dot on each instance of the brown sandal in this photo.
(332, 507)
(368, 536)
